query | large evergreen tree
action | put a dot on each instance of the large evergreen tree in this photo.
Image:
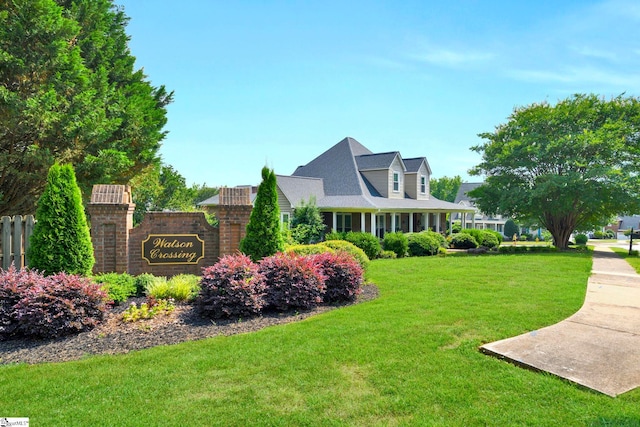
(69, 93)
(264, 236)
(61, 240)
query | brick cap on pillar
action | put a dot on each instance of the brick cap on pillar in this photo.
(108, 194)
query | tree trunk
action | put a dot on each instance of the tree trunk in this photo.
(561, 229)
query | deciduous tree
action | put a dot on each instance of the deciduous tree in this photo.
(445, 188)
(566, 166)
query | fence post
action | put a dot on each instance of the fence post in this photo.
(28, 231)
(17, 242)
(6, 242)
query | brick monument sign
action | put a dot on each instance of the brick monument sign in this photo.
(165, 243)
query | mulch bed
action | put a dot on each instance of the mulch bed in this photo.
(115, 336)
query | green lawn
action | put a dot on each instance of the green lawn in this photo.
(409, 357)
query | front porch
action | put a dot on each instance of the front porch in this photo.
(380, 222)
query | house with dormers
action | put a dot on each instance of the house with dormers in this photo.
(358, 190)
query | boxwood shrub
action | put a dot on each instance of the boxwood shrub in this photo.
(365, 241)
(119, 286)
(464, 241)
(581, 239)
(424, 243)
(396, 242)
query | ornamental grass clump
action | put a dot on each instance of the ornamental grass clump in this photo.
(182, 287)
(293, 282)
(48, 307)
(343, 276)
(233, 287)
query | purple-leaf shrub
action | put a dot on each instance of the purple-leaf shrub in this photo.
(343, 276)
(60, 305)
(231, 287)
(36, 306)
(13, 285)
(292, 281)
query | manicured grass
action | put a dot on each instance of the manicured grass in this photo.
(633, 260)
(409, 357)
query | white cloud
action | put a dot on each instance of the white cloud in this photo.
(452, 58)
(579, 76)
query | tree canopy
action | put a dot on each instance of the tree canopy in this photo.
(69, 93)
(565, 167)
(445, 188)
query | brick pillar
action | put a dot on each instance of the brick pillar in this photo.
(232, 212)
(111, 215)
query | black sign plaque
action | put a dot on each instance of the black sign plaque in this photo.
(160, 249)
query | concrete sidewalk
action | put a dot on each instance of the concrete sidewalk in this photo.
(599, 346)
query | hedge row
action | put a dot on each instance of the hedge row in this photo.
(32, 305)
(236, 286)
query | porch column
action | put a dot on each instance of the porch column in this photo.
(335, 221)
(450, 223)
(473, 220)
(373, 223)
(393, 222)
(363, 220)
(426, 221)
(438, 222)
(410, 222)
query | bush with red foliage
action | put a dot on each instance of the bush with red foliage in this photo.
(232, 287)
(343, 276)
(48, 307)
(292, 281)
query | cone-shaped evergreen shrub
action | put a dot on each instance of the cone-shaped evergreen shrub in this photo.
(61, 241)
(264, 236)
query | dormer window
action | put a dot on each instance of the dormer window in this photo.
(423, 184)
(396, 182)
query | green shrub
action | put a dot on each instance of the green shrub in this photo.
(61, 241)
(489, 240)
(307, 225)
(317, 248)
(182, 287)
(581, 239)
(350, 248)
(511, 229)
(119, 286)
(142, 281)
(423, 244)
(464, 241)
(524, 237)
(497, 235)
(610, 234)
(396, 242)
(598, 234)
(365, 241)
(390, 254)
(335, 235)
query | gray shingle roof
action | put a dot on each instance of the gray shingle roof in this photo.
(465, 187)
(337, 167)
(299, 189)
(413, 165)
(376, 161)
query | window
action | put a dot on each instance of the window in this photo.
(343, 222)
(396, 182)
(423, 184)
(285, 220)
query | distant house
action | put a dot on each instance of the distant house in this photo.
(476, 219)
(358, 190)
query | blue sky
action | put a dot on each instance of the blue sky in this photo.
(277, 83)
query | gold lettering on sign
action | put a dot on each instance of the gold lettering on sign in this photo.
(172, 249)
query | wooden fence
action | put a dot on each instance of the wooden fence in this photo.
(14, 239)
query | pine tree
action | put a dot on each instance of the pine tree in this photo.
(264, 236)
(61, 241)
